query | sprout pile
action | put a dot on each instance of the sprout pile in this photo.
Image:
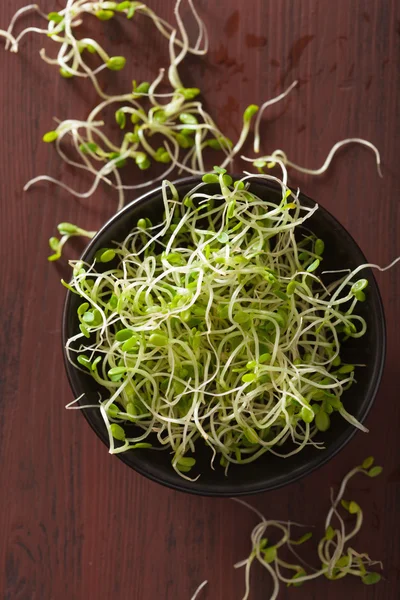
(215, 324)
(337, 558)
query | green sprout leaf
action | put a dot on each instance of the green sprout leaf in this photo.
(84, 361)
(117, 432)
(259, 163)
(304, 538)
(322, 421)
(120, 119)
(210, 178)
(342, 562)
(123, 6)
(184, 141)
(300, 573)
(359, 285)
(131, 10)
(314, 265)
(142, 88)
(142, 161)
(270, 554)
(66, 74)
(368, 462)
(307, 414)
(82, 308)
(371, 578)
(223, 237)
(158, 339)
(50, 136)
(346, 369)
(67, 228)
(250, 111)
(88, 147)
(241, 317)
(123, 335)
(354, 508)
(96, 362)
(188, 93)
(375, 471)
(104, 15)
(116, 63)
(129, 344)
(140, 446)
(113, 411)
(187, 461)
(54, 243)
(55, 17)
(188, 119)
(330, 533)
(319, 247)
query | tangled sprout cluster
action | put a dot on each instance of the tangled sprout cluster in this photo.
(215, 324)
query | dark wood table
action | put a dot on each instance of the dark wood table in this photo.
(76, 523)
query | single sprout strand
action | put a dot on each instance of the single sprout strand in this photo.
(197, 592)
(279, 155)
(256, 143)
(67, 231)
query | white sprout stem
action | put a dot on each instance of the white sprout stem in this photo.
(9, 40)
(19, 13)
(197, 592)
(260, 113)
(280, 154)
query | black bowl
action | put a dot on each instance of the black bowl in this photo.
(268, 472)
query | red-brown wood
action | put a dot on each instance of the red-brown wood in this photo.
(76, 524)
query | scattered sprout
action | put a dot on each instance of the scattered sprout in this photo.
(67, 231)
(278, 156)
(337, 558)
(116, 63)
(186, 129)
(50, 136)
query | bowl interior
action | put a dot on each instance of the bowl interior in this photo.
(269, 471)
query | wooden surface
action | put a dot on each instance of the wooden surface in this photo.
(77, 524)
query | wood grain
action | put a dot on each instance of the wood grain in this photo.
(75, 523)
